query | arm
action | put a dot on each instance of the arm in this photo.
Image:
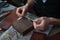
(21, 11)
(30, 3)
(42, 22)
(54, 21)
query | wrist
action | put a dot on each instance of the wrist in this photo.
(29, 5)
(52, 20)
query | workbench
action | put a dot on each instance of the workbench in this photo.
(12, 34)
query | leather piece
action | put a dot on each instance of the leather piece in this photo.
(6, 22)
(38, 36)
(24, 25)
(55, 37)
(4, 14)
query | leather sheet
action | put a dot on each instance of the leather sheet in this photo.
(55, 36)
(6, 22)
(38, 36)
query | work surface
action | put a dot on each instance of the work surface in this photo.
(12, 34)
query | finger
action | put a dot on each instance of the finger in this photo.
(34, 23)
(19, 12)
(37, 21)
(39, 26)
(42, 25)
(24, 12)
(36, 26)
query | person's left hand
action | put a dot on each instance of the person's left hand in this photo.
(41, 23)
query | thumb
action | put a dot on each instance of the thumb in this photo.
(17, 12)
(23, 12)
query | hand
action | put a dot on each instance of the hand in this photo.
(41, 23)
(21, 11)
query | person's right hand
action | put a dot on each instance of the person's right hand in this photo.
(41, 23)
(21, 11)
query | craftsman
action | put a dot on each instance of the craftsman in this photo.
(47, 10)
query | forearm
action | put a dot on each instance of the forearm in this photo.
(30, 3)
(55, 21)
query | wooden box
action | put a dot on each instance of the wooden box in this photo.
(24, 25)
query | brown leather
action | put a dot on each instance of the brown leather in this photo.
(6, 22)
(4, 14)
(41, 36)
(24, 25)
(55, 37)
(38, 36)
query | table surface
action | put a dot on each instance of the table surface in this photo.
(12, 34)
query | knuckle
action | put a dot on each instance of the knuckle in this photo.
(43, 18)
(17, 8)
(36, 27)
